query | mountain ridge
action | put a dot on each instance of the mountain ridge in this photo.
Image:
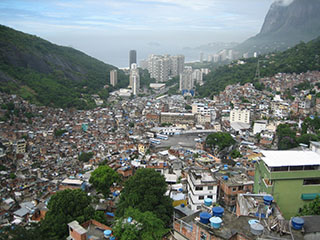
(48, 74)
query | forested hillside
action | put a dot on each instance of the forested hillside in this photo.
(301, 58)
(48, 74)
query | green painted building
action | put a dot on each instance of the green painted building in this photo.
(291, 177)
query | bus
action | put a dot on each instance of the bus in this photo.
(162, 137)
(155, 141)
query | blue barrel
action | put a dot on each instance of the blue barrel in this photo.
(267, 200)
(215, 222)
(107, 233)
(208, 202)
(297, 223)
(204, 217)
(217, 211)
(225, 178)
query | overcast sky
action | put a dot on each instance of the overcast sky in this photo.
(108, 29)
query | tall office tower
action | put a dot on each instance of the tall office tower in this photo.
(113, 77)
(132, 57)
(134, 77)
(177, 65)
(186, 80)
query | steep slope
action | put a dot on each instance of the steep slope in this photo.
(49, 74)
(301, 58)
(287, 23)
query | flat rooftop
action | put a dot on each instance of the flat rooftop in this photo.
(290, 158)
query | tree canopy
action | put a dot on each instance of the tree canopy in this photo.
(145, 191)
(103, 177)
(64, 207)
(85, 157)
(143, 225)
(220, 140)
(313, 208)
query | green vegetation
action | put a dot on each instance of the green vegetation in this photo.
(145, 191)
(145, 78)
(144, 225)
(287, 134)
(235, 154)
(85, 157)
(59, 132)
(313, 208)
(301, 58)
(52, 75)
(219, 140)
(102, 179)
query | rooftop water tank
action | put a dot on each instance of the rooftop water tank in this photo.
(208, 202)
(217, 211)
(238, 164)
(225, 178)
(297, 223)
(204, 217)
(107, 234)
(225, 167)
(215, 222)
(267, 200)
(253, 221)
(256, 229)
(182, 205)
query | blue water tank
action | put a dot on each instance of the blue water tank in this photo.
(129, 219)
(267, 200)
(204, 217)
(225, 178)
(180, 189)
(215, 222)
(297, 223)
(217, 211)
(238, 164)
(208, 202)
(261, 215)
(107, 233)
(225, 167)
(112, 238)
(182, 205)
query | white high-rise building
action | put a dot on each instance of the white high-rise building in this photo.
(197, 76)
(134, 79)
(186, 79)
(113, 77)
(238, 115)
(159, 67)
(177, 65)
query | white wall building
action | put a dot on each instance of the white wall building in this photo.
(200, 185)
(238, 115)
(186, 80)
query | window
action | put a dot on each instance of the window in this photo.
(201, 197)
(240, 187)
(234, 189)
(296, 168)
(210, 187)
(311, 181)
(199, 188)
(210, 196)
(233, 198)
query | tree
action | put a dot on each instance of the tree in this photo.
(313, 208)
(286, 137)
(145, 191)
(144, 225)
(85, 157)
(220, 140)
(235, 154)
(102, 178)
(64, 207)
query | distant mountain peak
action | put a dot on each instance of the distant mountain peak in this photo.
(287, 23)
